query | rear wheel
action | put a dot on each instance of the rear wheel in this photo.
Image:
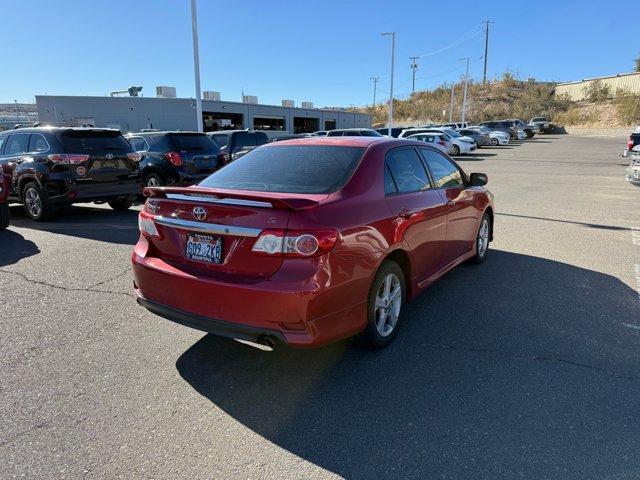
(36, 202)
(153, 180)
(456, 150)
(4, 215)
(494, 142)
(384, 306)
(121, 204)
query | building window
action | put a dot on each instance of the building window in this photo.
(269, 123)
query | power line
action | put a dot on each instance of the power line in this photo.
(470, 34)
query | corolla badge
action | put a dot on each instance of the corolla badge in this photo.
(199, 213)
(109, 156)
(81, 171)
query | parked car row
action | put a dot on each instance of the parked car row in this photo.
(633, 152)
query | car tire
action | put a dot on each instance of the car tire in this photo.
(384, 306)
(529, 133)
(4, 215)
(455, 150)
(36, 202)
(495, 142)
(153, 180)
(121, 204)
(483, 237)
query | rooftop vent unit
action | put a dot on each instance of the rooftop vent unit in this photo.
(249, 99)
(307, 104)
(166, 92)
(289, 103)
(132, 91)
(212, 96)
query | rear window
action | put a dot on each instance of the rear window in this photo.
(185, 141)
(289, 169)
(248, 139)
(220, 140)
(88, 141)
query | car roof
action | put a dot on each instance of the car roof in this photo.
(339, 141)
(59, 129)
(162, 132)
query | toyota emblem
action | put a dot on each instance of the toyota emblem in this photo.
(199, 213)
(109, 156)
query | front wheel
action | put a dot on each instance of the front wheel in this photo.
(153, 180)
(482, 239)
(384, 306)
(456, 150)
(494, 142)
(4, 215)
(121, 204)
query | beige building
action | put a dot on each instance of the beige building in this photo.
(624, 82)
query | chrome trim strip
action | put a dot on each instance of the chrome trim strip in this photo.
(210, 228)
(214, 199)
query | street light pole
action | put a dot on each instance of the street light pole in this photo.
(196, 63)
(464, 95)
(393, 60)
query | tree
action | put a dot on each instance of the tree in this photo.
(637, 60)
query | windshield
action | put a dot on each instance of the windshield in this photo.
(453, 133)
(289, 169)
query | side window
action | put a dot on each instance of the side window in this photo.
(389, 184)
(407, 170)
(17, 143)
(445, 174)
(38, 143)
(138, 143)
(2, 142)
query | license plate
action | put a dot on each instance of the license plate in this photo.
(203, 248)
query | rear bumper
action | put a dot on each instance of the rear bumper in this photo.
(98, 192)
(299, 305)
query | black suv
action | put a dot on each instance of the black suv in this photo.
(235, 143)
(175, 158)
(57, 166)
(506, 126)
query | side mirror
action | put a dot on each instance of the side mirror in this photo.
(478, 179)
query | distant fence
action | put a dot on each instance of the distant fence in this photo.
(625, 82)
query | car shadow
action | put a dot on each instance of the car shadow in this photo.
(14, 247)
(505, 369)
(101, 224)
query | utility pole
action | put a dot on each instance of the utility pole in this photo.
(414, 67)
(486, 49)
(453, 86)
(375, 87)
(393, 61)
(464, 96)
(196, 63)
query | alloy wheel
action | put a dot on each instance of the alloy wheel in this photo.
(33, 202)
(388, 304)
(153, 181)
(483, 237)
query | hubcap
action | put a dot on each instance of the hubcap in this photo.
(33, 202)
(388, 303)
(483, 237)
(153, 182)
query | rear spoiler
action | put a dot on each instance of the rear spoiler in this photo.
(218, 196)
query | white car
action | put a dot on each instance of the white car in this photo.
(438, 140)
(497, 137)
(521, 134)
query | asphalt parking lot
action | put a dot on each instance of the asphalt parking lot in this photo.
(526, 366)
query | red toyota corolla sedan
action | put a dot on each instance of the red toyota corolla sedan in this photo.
(309, 241)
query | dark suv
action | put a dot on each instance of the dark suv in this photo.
(4, 204)
(56, 166)
(506, 126)
(235, 143)
(175, 158)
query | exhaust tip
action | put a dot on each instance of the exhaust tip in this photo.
(266, 343)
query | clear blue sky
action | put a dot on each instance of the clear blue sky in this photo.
(324, 52)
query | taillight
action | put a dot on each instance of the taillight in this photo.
(134, 156)
(73, 158)
(630, 143)
(174, 158)
(444, 144)
(146, 225)
(295, 243)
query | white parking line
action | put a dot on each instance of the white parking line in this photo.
(637, 269)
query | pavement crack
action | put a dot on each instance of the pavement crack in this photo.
(534, 358)
(62, 287)
(115, 277)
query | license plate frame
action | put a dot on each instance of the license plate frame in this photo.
(204, 248)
